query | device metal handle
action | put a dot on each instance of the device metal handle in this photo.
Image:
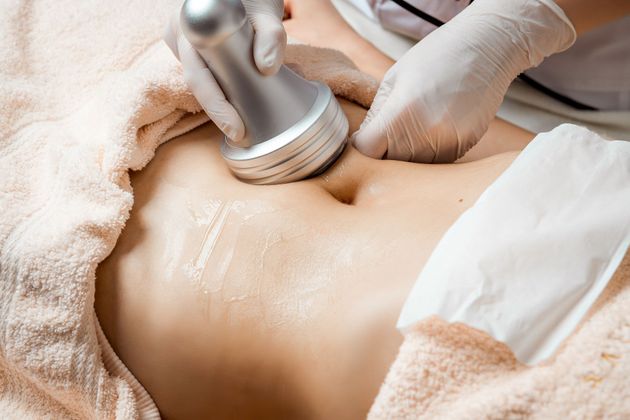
(268, 105)
(294, 128)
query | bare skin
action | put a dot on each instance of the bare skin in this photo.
(590, 14)
(318, 23)
(228, 300)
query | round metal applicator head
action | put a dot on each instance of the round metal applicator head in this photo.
(294, 128)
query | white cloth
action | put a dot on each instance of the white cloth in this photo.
(532, 255)
(595, 71)
(535, 111)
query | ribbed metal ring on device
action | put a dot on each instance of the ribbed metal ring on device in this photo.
(306, 149)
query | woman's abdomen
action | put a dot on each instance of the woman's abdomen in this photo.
(227, 299)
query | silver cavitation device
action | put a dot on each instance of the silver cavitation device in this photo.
(294, 128)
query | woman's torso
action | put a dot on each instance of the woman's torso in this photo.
(231, 300)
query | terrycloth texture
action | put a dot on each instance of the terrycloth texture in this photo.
(454, 372)
(334, 69)
(87, 92)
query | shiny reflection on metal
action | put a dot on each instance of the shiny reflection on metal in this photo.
(211, 22)
(293, 127)
(306, 148)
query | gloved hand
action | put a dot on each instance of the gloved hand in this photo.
(437, 101)
(269, 45)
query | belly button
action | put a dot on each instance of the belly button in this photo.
(347, 199)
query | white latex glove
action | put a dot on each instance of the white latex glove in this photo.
(270, 42)
(437, 101)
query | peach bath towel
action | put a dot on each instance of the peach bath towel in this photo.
(447, 371)
(88, 91)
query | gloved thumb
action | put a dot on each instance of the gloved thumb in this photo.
(371, 137)
(207, 91)
(270, 41)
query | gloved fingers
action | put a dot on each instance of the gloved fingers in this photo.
(171, 33)
(396, 132)
(371, 140)
(264, 7)
(407, 138)
(208, 93)
(371, 137)
(270, 42)
(382, 95)
(270, 39)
